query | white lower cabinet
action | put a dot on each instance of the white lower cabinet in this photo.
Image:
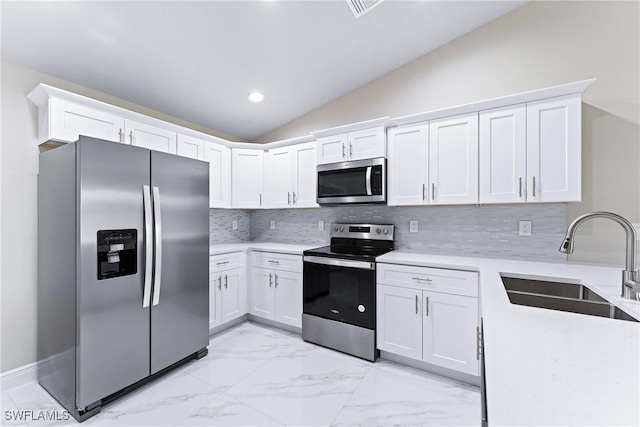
(227, 288)
(399, 323)
(449, 331)
(276, 291)
(435, 327)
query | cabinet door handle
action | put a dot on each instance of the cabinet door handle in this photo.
(520, 186)
(288, 198)
(433, 191)
(350, 150)
(416, 304)
(424, 191)
(260, 199)
(294, 197)
(270, 279)
(220, 282)
(534, 186)
(426, 307)
(226, 281)
(131, 137)
(120, 135)
(343, 150)
(276, 280)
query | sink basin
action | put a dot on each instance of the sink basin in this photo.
(557, 289)
(568, 297)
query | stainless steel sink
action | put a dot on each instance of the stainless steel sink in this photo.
(569, 297)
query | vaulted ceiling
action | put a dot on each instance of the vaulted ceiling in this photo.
(199, 60)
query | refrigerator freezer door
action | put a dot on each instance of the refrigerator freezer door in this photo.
(180, 309)
(113, 327)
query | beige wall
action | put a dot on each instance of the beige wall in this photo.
(19, 210)
(540, 44)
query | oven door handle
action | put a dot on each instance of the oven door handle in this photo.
(363, 265)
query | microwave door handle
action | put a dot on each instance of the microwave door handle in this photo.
(368, 179)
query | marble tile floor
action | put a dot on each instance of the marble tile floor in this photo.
(259, 376)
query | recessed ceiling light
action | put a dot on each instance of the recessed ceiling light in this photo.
(256, 97)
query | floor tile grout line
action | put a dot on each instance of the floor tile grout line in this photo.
(351, 396)
(255, 409)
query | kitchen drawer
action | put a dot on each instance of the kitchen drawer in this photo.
(276, 261)
(453, 282)
(226, 261)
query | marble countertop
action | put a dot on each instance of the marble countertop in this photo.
(546, 367)
(283, 248)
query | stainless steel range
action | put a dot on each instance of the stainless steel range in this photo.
(339, 287)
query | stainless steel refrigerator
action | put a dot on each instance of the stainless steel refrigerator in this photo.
(123, 271)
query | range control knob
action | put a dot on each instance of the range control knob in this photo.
(386, 231)
(341, 229)
(378, 230)
(335, 228)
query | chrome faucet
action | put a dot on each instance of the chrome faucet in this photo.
(630, 275)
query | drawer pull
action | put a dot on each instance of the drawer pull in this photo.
(222, 263)
(419, 279)
(274, 262)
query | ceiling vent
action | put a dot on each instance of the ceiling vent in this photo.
(360, 7)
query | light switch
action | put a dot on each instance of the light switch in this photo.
(272, 224)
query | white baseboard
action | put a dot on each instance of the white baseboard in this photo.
(19, 376)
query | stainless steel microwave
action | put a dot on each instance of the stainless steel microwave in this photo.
(359, 181)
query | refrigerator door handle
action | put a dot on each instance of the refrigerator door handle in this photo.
(157, 277)
(148, 246)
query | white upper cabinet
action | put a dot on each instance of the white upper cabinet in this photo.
(291, 177)
(279, 178)
(332, 149)
(305, 176)
(69, 121)
(151, 137)
(554, 149)
(503, 154)
(356, 145)
(190, 147)
(219, 158)
(453, 160)
(434, 163)
(408, 165)
(366, 144)
(247, 167)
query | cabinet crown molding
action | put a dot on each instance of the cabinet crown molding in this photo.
(367, 124)
(533, 95)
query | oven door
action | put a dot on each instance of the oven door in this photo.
(341, 290)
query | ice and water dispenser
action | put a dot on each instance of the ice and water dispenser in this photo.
(117, 253)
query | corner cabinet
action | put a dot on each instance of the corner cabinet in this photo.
(247, 182)
(227, 288)
(356, 145)
(276, 287)
(291, 177)
(531, 152)
(429, 314)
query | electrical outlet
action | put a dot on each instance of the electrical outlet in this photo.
(234, 225)
(320, 225)
(525, 228)
(413, 226)
(272, 225)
